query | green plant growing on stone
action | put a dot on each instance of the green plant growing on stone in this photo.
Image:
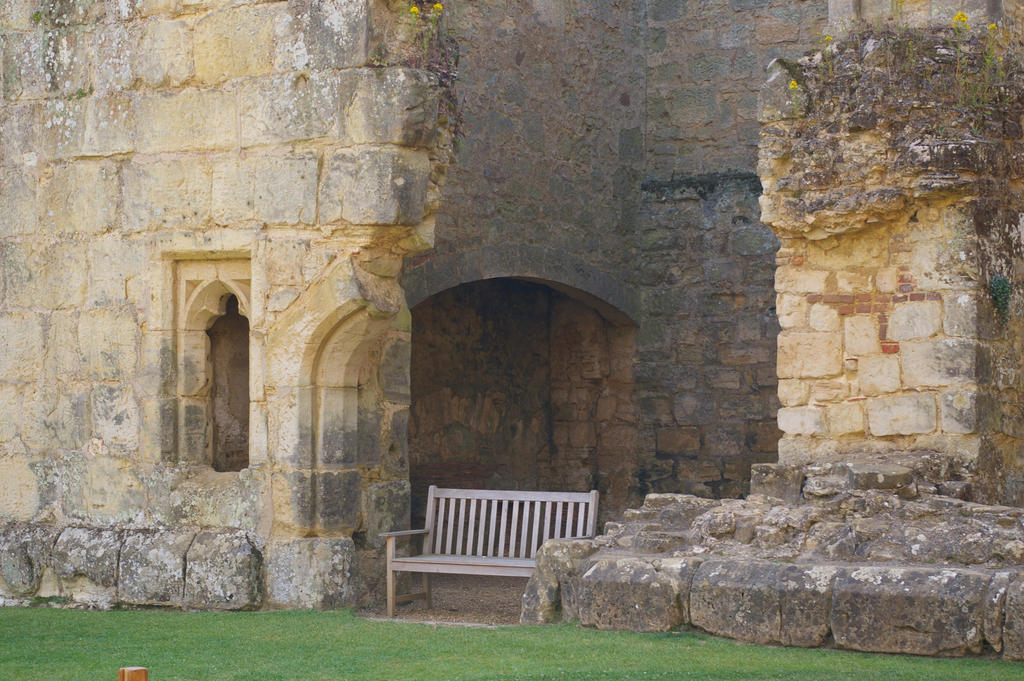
(425, 45)
(999, 290)
(36, 17)
(826, 56)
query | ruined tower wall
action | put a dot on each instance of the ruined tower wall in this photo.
(900, 231)
(157, 158)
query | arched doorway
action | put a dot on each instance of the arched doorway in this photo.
(521, 384)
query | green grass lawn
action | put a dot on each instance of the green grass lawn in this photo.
(62, 645)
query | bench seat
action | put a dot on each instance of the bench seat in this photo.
(465, 565)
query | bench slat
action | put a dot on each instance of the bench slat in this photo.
(481, 531)
(536, 528)
(502, 524)
(439, 527)
(451, 526)
(546, 527)
(428, 541)
(512, 530)
(581, 511)
(558, 520)
(471, 528)
(445, 492)
(460, 520)
(494, 520)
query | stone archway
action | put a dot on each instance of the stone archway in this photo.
(337, 399)
(521, 384)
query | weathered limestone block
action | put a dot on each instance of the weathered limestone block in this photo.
(38, 63)
(777, 480)
(629, 593)
(941, 362)
(113, 46)
(995, 608)
(823, 318)
(165, 194)
(339, 501)
(552, 592)
(909, 321)
(791, 310)
(901, 414)
(284, 189)
(188, 120)
(164, 56)
(877, 475)
(794, 392)
(107, 340)
(276, 189)
(211, 499)
(375, 186)
(393, 106)
(223, 572)
(737, 599)
(98, 125)
(805, 594)
(809, 355)
(387, 508)
(10, 416)
(860, 335)
(19, 213)
(115, 417)
(921, 611)
(288, 107)
(844, 418)
(1013, 624)
(790, 279)
(85, 560)
(52, 417)
(311, 573)
(25, 554)
(21, 337)
(53, 277)
(801, 420)
(959, 411)
(152, 566)
(878, 374)
(88, 552)
(234, 42)
(322, 34)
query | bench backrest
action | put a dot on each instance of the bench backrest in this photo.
(504, 523)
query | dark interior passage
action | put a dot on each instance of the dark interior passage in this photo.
(518, 386)
(229, 393)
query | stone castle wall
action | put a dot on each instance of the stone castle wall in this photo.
(157, 158)
(589, 146)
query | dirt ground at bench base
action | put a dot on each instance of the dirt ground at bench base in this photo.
(462, 599)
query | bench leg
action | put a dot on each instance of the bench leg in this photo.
(426, 589)
(390, 552)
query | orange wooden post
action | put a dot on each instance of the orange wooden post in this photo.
(132, 674)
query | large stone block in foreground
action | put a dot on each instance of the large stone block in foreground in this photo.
(311, 573)
(152, 568)
(552, 592)
(86, 559)
(24, 555)
(223, 572)
(629, 593)
(921, 611)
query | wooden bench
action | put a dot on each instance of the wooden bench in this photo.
(487, 532)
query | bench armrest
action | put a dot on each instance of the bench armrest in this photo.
(403, 533)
